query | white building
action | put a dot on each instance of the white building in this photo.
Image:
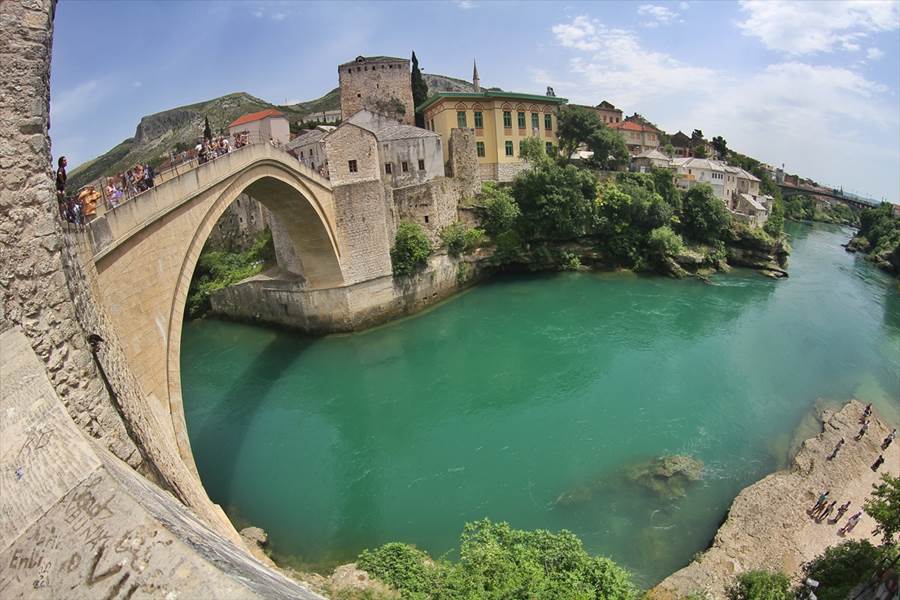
(737, 188)
(650, 159)
(309, 148)
(691, 171)
(262, 126)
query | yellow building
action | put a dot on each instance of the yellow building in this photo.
(501, 121)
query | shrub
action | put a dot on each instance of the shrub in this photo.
(458, 238)
(883, 505)
(663, 243)
(557, 202)
(760, 585)
(401, 566)
(500, 209)
(411, 249)
(704, 217)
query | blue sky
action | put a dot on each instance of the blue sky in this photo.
(812, 85)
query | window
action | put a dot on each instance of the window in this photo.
(509, 148)
(352, 165)
(507, 119)
(404, 166)
(521, 120)
(479, 120)
(520, 147)
(426, 218)
(548, 122)
(535, 121)
(479, 149)
(549, 147)
(461, 119)
(421, 164)
(388, 168)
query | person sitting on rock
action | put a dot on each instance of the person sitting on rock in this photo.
(878, 462)
(890, 438)
(862, 430)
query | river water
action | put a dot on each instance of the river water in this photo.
(525, 398)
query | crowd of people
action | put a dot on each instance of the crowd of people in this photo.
(824, 510)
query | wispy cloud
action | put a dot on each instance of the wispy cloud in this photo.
(72, 102)
(657, 14)
(798, 28)
(874, 53)
(464, 4)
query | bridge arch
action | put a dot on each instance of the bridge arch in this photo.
(146, 250)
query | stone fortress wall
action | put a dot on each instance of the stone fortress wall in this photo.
(378, 83)
(95, 500)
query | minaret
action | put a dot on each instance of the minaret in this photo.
(475, 82)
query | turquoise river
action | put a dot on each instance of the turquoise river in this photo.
(525, 399)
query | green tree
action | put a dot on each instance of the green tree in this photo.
(703, 216)
(775, 223)
(699, 151)
(664, 243)
(760, 585)
(419, 89)
(411, 249)
(557, 201)
(720, 145)
(576, 125)
(664, 183)
(532, 151)
(841, 568)
(608, 147)
(459, 239)
(626, 214)
(207, 130)
(696, 137)
(883, 505)
(500, 209)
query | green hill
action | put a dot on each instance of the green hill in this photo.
(175, 129)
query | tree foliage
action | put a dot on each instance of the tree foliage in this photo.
(841, 568)
(720, 146)
(627, 212)
(704, 217)
(207, 130)
(556, 201)
(608, 146)
(419, 89)
(760, 585)
(411, 249)
(664, 243)
(500, 209)
(576, 125)
(498, 562)
(459, 239)
(883, 505)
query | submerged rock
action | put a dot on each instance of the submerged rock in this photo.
(668, 476)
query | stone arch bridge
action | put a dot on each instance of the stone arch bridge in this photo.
(142, 254)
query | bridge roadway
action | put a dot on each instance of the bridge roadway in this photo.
(857, 202)
(142, 254)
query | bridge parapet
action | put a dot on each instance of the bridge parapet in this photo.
(119, 223)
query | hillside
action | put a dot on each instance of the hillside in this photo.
(175, 129)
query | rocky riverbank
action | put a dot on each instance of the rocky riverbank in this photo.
(768, 527)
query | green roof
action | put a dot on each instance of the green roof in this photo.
(487, 95)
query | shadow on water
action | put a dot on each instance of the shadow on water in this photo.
(248, 392)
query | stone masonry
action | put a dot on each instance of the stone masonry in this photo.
(380, 83)
(352, 153)
(463, 161)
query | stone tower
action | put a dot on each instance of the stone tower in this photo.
(382, 84)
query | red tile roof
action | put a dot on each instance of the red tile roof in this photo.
(257, 116)
(631, 126)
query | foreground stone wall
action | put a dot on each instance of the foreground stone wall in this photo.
(433, 205)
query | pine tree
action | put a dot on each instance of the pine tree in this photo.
(207, 130)
(419, 89)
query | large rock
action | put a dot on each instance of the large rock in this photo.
(669, 476)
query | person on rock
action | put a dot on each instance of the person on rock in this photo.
(878, 462)
(890, 438)
(866, 412)
(825, 513)
(851, 523)
(823, 497)
(862, 430)
(840, 512)
(836, 449)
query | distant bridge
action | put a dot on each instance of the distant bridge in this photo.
(821, 193)
(144, 252)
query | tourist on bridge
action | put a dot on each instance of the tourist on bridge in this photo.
(840, 512)
(836, 449)
(61, 185)
(823, 497)
(890, 438)
(878, 462)
(851, 523)
(824, 514)
(862, 430)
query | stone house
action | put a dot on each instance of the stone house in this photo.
(381, 84)
(403, 155)
(262, 126)
(639, 136)
(324, 116)
(691, 171)
(681, 142)
(309, 148)
(608, 113)
(650, 159)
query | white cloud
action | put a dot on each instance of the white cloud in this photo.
(798, 28)
(618, 62)
(464, 4)
(829, 123)
(874, 53)
(657, 14)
